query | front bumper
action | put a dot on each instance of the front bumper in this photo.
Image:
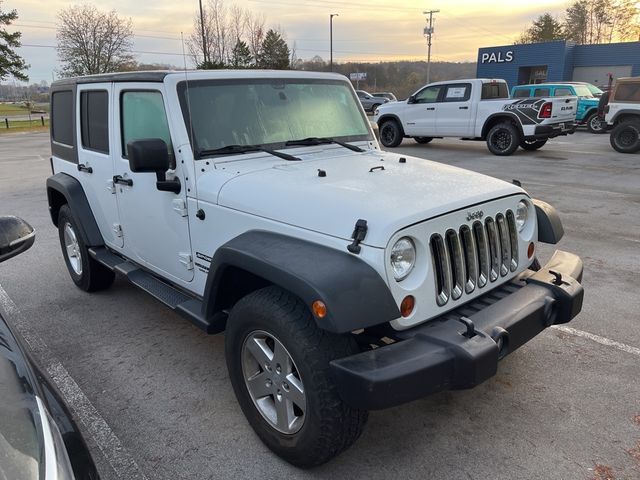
(542, 132)
(461, 349)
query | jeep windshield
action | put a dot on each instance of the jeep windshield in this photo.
(269, 113)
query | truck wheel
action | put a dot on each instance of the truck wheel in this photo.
(423, 140)
(503, 139)
(390, 133)
(625, 137)
(595, 124)
(374, 106)
(532, 144)
(278, 361)
(85, 272)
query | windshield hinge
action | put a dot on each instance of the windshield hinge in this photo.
(186, 259)
(359, 232)
(180, 206)
(117, 230)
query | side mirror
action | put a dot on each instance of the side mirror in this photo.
(16, 236)
(151, 155)
(411, 99)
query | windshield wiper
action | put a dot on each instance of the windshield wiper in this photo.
(237, 149)
(322, 141)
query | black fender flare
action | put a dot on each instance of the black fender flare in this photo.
(391, 116)
(627, 111)
(550, 228)
(63, 188)
(355, 294)
(505, 114)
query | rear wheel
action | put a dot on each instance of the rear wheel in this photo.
(625, 137)
(390, 133)
(503, 139)
(85, 272)
(374, 107)
(595, 124)
(532, 144)
(278, 361)
(422, 140)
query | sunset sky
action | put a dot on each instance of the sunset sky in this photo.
(364, 31)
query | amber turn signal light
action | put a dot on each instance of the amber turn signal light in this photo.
(531, 250)
(406, 307)
(319, 309)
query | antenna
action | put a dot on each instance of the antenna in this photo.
(191, 138)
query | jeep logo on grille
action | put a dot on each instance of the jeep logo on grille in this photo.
(477, 215)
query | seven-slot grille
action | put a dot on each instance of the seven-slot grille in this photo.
(474, 256)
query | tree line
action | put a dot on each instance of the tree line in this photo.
(588, 22)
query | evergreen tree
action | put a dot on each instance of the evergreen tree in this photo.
(241, 55)
(274, 53)
(10, 62)
(544, 29)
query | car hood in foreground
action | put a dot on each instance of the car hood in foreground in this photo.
(375, 186)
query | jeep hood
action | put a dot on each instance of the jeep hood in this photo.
(373, 186)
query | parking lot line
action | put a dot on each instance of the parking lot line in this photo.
(598, 339)
(96, 427)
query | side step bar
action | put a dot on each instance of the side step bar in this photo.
(180, 302)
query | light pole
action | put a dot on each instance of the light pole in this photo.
(428, 31)
(331, 39)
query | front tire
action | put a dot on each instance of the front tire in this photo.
(422, 140)
(596, 124)
(531, 145)
(503, 139)
(390, 133)
(625, 137)
(278, 361)
(85, 272)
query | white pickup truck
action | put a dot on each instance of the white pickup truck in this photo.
(478, 109)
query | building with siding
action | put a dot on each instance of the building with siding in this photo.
(559, 61)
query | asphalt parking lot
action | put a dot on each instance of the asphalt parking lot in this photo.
(153, 395)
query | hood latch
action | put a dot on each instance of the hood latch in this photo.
(359, 232)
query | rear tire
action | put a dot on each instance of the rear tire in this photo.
(86, 273)
(423, 140)
(503, 139)
(374, 107)
(390, 133)
(596, 124)
(531, 145)
(625, 137)
(263, 328)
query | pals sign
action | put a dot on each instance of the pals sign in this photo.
(497, 57)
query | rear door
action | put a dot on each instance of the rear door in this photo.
(419, 117)
(453, 117)
(154, 223)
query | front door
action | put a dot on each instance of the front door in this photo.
(420, 116)
(154, 224)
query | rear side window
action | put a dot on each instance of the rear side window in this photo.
(628, 92)
(62, 117)
(522, 93)
(563, 92)
(491, 91)
(543, 92)
(94, 120)
(457, 93)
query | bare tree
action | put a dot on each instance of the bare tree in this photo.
(91, 41)
(256, 33)
(602, 21)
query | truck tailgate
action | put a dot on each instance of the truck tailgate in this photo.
(564, 109)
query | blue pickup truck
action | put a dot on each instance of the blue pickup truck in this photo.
(587, 113)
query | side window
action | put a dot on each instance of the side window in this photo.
(62, 117)
(94, 120)
(542, 92)
(563, 92)
(457, 93)
(428, 95)
(521, 93)
(628, 92)
(143, 116)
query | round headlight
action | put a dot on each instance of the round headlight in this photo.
(403, 258)
(522, 214)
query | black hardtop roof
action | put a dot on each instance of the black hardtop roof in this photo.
(149, 76)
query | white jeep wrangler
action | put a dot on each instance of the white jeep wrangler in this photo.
(259, 203)
(623, 115)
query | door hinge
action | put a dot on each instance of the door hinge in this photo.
(111, 186)
(117, 229)
(180, 206)
(186, 259)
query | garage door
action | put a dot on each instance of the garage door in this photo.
(599, 76)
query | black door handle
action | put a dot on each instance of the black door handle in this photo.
(122, 181)
(431, 108)
(463, 108)
(84, 168)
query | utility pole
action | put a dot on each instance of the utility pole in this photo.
(428, 31)
(331, 39)
(204, 41)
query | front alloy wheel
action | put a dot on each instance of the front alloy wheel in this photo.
(273, 382)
